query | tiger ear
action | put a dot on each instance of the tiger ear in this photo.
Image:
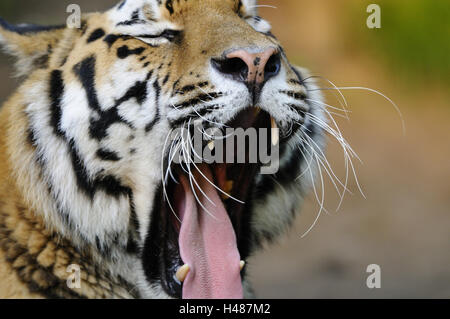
(30, 44)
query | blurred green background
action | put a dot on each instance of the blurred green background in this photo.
(403, 224)
(414, 38)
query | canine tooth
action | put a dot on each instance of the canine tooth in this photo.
(211, 145)
(242, 264)
(228, 187)
(275, 132)
(182, 272)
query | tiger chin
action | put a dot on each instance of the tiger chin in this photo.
(86, 210)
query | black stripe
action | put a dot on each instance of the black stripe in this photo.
(169, 6)
(135, 15)
(98, 127)
(295, 81)
(111, 185)
(123, 52)
(194, 114)
(133, 231)
(239, 7)
(157, 89)
(174, 86)
(97, 34)
(188, 88)
(138, 91)
(294, 95)
(131, 22)
(85, 70)
(112, 38)
(201, 98)
(56, 93)
(166, 79)
(83, 179)
(107, 155)
(152, 245)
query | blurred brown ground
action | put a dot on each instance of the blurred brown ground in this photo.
(404, 223)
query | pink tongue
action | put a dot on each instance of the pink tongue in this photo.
(208, 244)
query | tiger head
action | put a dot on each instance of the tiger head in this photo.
(94, 155)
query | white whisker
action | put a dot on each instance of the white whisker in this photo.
(329, 106)
(192, 179)
(343, 103)
(321, 202)
(373, 91)
(326, 165)
(304, 156)
(166, 196)
(216, 187)
(347, 148)
(262, 6)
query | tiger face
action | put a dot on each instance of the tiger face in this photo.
(101, 103)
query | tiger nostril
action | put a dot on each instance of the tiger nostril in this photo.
(272, 67)
(245, 65)
(234, 67)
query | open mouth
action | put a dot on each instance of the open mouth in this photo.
(200, 230)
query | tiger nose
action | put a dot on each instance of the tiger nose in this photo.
(244, 66)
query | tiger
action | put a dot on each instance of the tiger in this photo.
(87, 189)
